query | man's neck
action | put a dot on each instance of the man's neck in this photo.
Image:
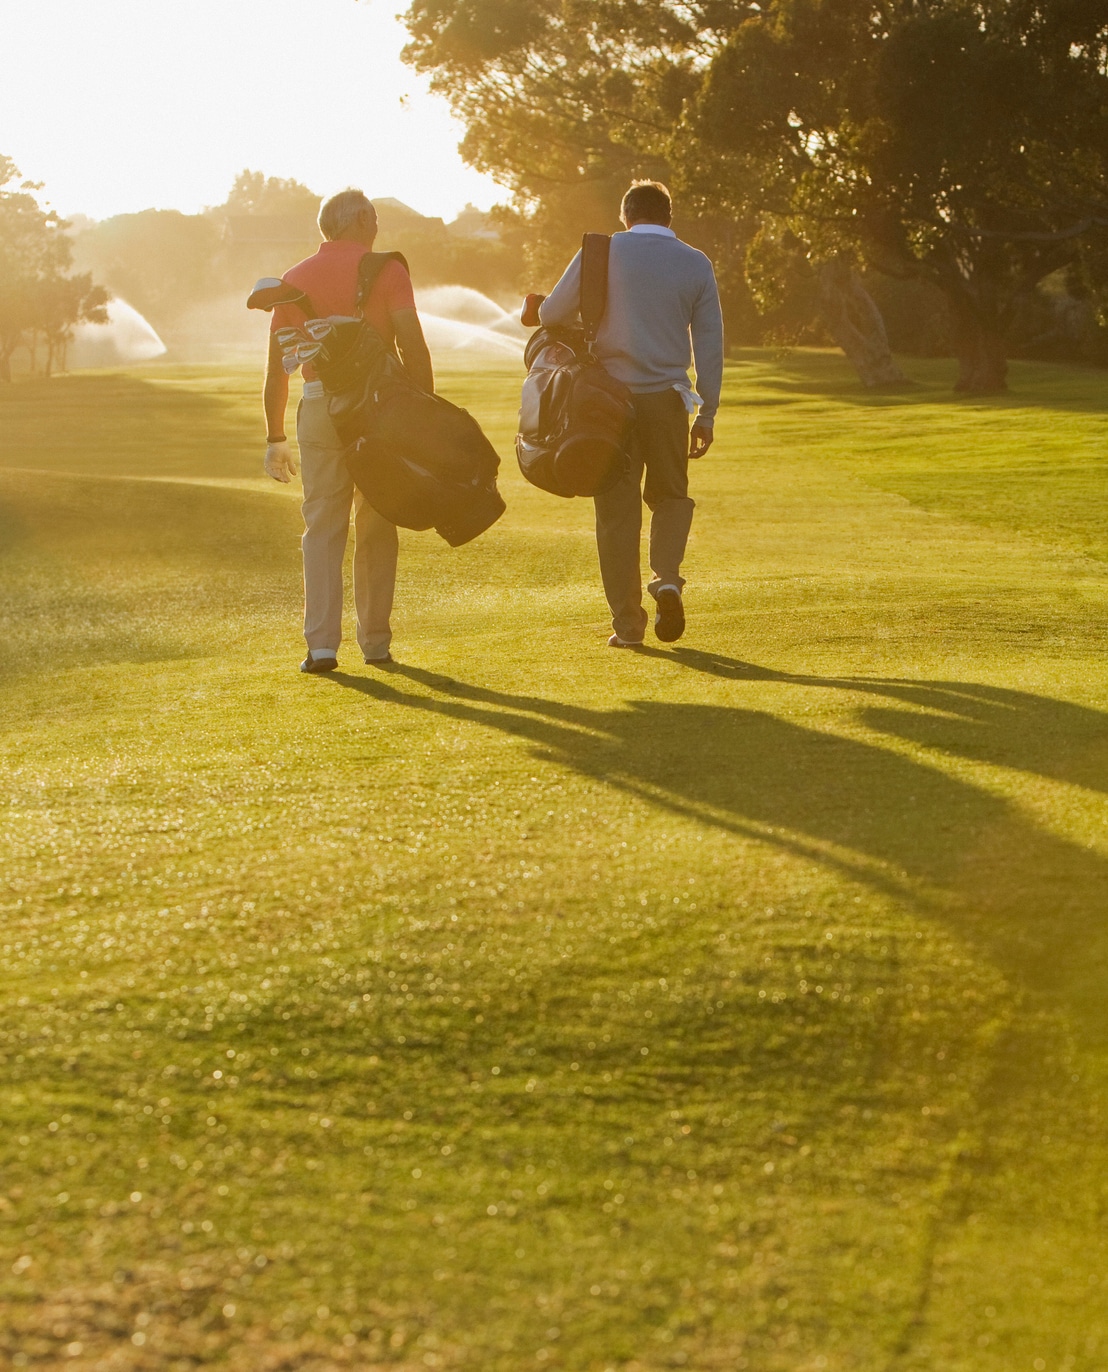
(362, 242)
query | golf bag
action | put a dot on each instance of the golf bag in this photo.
(575, 418)
(420, 461)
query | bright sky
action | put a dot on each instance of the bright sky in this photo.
(122, 105)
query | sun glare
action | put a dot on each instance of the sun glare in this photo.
(120, 105)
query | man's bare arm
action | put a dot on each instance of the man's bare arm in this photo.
(275, 393)
(412, 347)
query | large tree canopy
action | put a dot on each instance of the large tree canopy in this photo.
(963, 143)
(562, 100)
(967, 144)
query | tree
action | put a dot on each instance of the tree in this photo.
(160, 261)
(566, 102)
(266, 223)
(61, 302)
(794, 290)
(563, 100)
(37, 293)
(961, 143)
(255, 193)
(23, 230)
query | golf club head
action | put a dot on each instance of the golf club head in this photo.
(271, 291)
(288, 337)
(297, 353)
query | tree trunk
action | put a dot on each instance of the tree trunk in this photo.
(982, 355)
(979, 297)
(855, 323)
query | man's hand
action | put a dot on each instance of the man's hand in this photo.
(279, 463)
(700, 440)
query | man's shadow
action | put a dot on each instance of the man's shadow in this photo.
(1050, 738)
(1035, 902)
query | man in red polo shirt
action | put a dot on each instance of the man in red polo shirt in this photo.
(348, 223)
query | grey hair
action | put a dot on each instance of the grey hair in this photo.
(342, 211)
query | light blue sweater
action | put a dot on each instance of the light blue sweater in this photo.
(662, 295)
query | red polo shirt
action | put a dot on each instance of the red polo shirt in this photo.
(329, 278)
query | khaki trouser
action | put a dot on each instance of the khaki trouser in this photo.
(329, 494)
(660, 445)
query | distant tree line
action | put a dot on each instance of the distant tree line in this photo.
(945, 159)
(164, 262)
(41, 298)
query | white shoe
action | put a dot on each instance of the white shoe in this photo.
(616, 642)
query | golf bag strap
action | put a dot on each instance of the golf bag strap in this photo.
(369, 269)
(594, 282)
(301, 302)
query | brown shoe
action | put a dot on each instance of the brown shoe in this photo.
(669, 622)
(319, 664)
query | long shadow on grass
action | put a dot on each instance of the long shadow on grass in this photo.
(1049, 738)
(1036, 902)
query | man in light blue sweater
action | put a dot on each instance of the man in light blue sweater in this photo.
(662, 296)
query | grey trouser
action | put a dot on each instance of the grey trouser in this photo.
(329, 494)
(660, 444)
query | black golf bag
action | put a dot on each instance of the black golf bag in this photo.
(419, 460)
(575, 418)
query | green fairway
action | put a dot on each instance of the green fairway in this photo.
(530, 1005)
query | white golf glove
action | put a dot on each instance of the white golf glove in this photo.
(279, 462)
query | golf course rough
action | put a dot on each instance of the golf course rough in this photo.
(739, 1005)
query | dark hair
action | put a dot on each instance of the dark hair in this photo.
(647, 202)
